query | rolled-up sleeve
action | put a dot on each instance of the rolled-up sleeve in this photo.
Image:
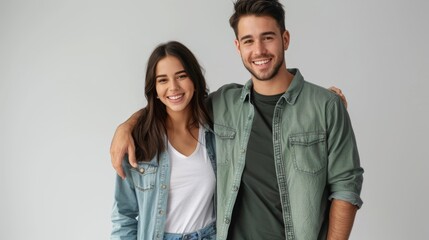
(345, 174)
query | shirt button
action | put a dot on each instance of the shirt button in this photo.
(160, 212)
(242, 150)
(163, 186)
(227, 221)
(141, 170)
(235, 188)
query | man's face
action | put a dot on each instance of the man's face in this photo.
(261, 46)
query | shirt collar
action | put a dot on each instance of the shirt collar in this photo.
(290, 95)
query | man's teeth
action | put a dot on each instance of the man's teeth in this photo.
(261, 62)
(175, 97)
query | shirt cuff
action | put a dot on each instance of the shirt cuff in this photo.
(350, 197)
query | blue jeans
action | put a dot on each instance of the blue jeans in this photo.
(206, 233)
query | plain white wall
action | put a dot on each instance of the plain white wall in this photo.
(71, 71)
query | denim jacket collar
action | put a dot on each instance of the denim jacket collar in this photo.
(154, 161)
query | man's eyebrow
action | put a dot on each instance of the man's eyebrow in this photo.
(245, 37)
(268, 33)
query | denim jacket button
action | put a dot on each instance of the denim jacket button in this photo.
(235, 188)
(227, 221)
(163, 186)
(141, 170)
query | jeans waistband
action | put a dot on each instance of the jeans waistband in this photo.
(206, 232)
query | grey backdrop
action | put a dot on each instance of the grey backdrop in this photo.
(71, 71)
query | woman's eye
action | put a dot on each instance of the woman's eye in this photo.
(182, 76)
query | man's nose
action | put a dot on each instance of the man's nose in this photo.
(259, 48)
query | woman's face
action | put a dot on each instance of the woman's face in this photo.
(174, 88)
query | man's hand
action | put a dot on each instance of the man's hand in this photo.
(122, 143)
(340, 94)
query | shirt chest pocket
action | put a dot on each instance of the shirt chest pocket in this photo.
(309, 152)
(225, 142)
(144, 177)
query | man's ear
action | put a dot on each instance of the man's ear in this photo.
(237, 45)
(286, 39)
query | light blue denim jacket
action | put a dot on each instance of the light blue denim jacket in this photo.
(140, 205)
(315, 154)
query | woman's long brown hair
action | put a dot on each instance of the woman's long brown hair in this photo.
(150, 131)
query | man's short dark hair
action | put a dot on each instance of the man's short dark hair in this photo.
(271, 8)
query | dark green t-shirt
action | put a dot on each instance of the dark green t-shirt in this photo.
(257, 211)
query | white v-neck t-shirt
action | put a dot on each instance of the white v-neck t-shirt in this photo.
(192, 185)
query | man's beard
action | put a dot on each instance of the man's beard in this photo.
(271, 75)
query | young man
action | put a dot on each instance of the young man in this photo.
(288, 165)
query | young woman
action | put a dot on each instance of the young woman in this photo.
(170, 194)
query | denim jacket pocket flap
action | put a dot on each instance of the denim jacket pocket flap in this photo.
(144, 169)
(144, 176)
(309, 151)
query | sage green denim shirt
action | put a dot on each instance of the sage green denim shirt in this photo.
(315, 154)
